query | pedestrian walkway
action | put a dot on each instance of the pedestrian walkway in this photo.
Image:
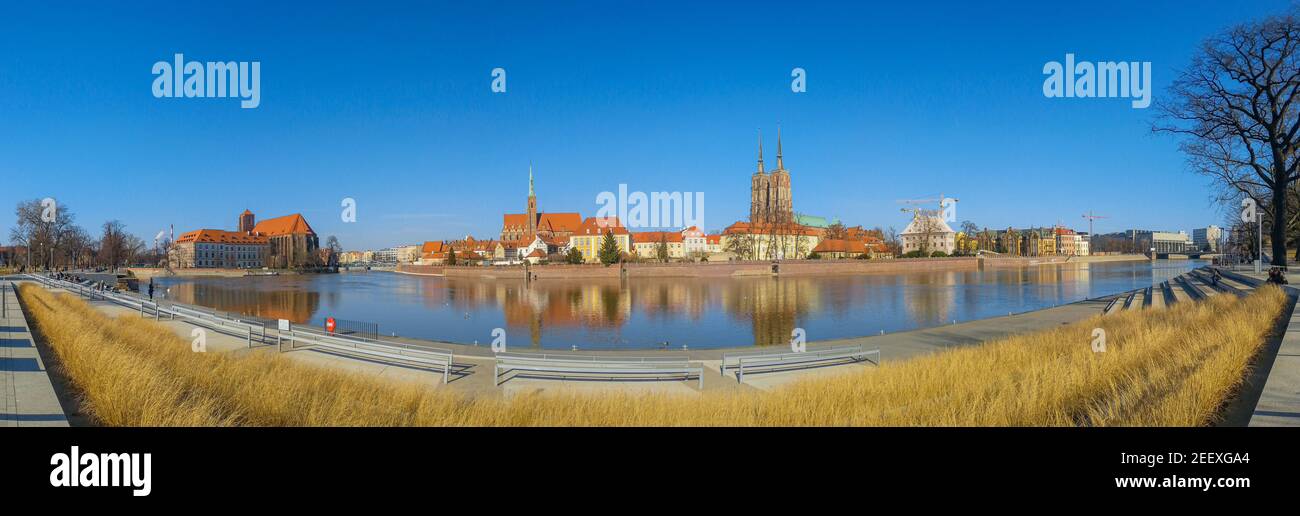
(1279, 403)
(26, 395)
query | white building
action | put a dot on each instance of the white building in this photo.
(1207, 238)
(930, 233)
(1168, 242)
(695, 242)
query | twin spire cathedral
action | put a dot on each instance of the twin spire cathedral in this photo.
(769, 195)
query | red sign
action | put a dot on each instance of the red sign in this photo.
(329, 325)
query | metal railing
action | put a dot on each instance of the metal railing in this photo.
(594, 366)
(234, 327)
(357, 328)
(752, 359)
(440, 358)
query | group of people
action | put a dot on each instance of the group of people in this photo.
(98, 285)
(1277, 276)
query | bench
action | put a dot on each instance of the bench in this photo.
(591, 365)
(438, 359)
(753, 360)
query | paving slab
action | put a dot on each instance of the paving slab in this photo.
(27, 396)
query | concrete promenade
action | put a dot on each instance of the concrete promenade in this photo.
(1279, 402)
(27, 396)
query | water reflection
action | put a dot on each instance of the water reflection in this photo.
(293, 304)
(664, 312)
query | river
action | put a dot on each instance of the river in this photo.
(663, 313)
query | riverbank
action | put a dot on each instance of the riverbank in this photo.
(1189, 359)
(785, 268)
(145, 273)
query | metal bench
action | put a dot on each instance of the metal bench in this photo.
(754, 360)
(439, 359)
(590, 365)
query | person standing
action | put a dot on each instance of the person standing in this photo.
(151, 289)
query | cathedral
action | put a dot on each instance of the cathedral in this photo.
(523, 227)
(769, 195)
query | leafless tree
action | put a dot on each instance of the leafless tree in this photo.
(836, 231)
(45, 240)
(1233, 110)
(114, 246)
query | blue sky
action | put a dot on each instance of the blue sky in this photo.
(390, 104)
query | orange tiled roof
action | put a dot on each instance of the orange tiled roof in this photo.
(560, 222)
(286, 225)
(600, 225)
(218, 236)
(713, 239)
(431, 247)
(556, 222)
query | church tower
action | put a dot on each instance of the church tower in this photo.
(782, 209)
(759, 189)
(246, 222)
(532, 206)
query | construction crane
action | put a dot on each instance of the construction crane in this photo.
(916, 203)
(1091, 218)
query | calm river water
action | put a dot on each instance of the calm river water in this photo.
(658, 313)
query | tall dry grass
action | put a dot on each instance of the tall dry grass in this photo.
(1169, 367)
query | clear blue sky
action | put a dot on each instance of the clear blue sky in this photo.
(390, 104)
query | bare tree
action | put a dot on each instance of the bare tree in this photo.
(891, 241)
(1233, 109)
(43, 231)
(113, 244)
(836, 231)
(741, 245)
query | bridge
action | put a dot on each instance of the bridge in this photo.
(368, 265)
(1197, 255)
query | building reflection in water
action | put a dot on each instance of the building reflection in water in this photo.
(668, 312)
(295, 305)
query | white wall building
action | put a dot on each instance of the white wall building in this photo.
(1207, 238)
(928, 227)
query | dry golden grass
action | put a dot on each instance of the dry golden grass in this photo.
(1169, 367)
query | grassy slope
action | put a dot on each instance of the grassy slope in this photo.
(1169, 367)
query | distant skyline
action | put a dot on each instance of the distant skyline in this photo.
(390, 105)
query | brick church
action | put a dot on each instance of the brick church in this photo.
(769, 195)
